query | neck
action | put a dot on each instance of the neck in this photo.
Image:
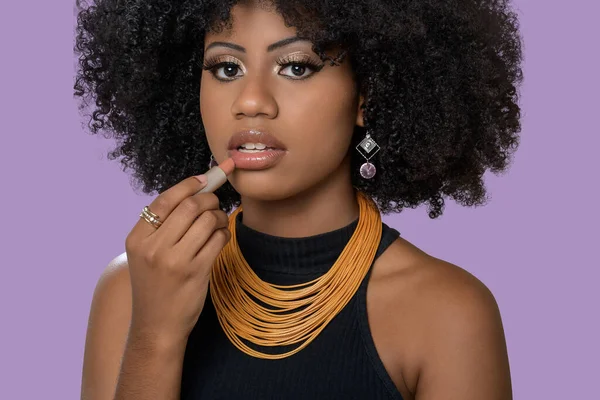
(322, 208)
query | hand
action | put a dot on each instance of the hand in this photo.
(170, 266)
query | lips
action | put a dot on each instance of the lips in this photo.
(255, 136)
(259, 159)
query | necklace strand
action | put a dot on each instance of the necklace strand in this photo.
(294, 314)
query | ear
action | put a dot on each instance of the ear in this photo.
(360, 121)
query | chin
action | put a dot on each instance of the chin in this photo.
(263, 185)
(269, 185)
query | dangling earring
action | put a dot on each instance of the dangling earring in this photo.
(212, 162)
(368, 148)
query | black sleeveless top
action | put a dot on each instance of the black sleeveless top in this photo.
(341, 363)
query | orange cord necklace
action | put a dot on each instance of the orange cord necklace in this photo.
(296, 314)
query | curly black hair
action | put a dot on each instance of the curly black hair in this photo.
(440, 78)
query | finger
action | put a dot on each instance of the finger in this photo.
(165, 203)
(200, 231)
(211, 249)
(185, 215)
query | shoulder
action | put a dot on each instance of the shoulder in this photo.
(111, 301)
(117, 266)
(108, 325)
(115, 277)
(452, 321)
(439, 289)
(112, 295)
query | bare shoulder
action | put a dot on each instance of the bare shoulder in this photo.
(108, 326)
(437, 284)
(113, 289)
(449, 338)
(118, 266)
(436, 288)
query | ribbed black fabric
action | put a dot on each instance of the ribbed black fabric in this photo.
(341, 363)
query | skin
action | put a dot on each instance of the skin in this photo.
(315, 130)
(436, 327)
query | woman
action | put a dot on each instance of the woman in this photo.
(333, 112)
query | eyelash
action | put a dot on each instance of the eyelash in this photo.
(213, 64)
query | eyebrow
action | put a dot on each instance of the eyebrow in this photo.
(271, 47)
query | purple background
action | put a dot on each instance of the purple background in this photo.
(66, 210)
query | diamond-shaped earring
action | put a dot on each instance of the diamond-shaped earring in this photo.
(368, 148)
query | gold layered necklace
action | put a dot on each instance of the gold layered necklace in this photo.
(294, 314)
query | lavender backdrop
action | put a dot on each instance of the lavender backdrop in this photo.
(66, 210)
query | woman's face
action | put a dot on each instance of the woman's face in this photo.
(259, 81)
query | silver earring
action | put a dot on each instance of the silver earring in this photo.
(212, 162)
(368, 148)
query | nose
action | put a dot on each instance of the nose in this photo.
(255, 99)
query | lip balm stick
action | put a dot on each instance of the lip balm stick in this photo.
(217, 176)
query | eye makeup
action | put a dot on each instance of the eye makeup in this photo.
(230, 64)
(302, 59)
(299, 62)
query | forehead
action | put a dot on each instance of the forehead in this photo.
(253, 22)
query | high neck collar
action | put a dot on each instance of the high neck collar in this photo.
(292, 256)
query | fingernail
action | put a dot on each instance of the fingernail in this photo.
(202, 178)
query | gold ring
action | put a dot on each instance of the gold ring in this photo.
(147, 210)
(151, 218)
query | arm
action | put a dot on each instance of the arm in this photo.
(466, 356)
(118, 364)
(150, 370)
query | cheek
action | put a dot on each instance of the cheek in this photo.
(213, 100)
(324, 119)
(206, 105)
(214, 112)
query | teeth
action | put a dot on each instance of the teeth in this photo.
(253, 146)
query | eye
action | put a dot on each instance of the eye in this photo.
(297, 71)
(223, 68)
(298, 67)
(226, 71)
